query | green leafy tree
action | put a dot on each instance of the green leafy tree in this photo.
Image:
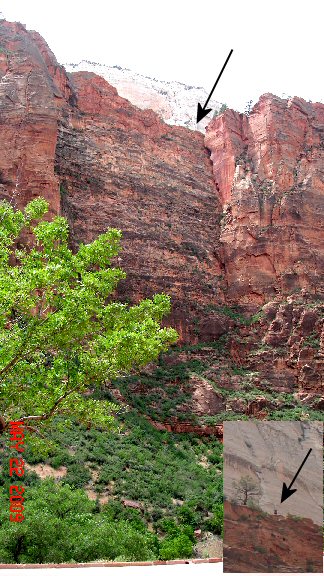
(216, 522)
(61, 332)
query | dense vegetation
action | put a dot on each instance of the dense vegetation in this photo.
(176, 480)
(165, 391)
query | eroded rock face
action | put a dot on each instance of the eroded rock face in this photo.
(102, 162)
(189, 428)
(33, 90)
(268, 168)
(122, 167)
(285, 348)
(275, 543)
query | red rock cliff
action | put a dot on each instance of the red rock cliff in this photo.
(268, 168)
(123, 167)
(103, 162)
(258, 542)
(33, 90)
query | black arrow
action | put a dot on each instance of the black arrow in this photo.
(286, 492)
(201, 110)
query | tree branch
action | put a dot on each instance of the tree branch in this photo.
(47, 415)
(33, 429)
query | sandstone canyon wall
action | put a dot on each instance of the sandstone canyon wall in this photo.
(235, 219)
(120, 166)
(268, 167)
(31, 100)
(103, 162)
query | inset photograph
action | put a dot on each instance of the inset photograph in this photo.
(273, 496)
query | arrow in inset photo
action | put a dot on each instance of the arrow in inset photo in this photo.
(286, 492)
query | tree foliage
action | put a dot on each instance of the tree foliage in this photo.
(61, 526)
(245, 488)
(61, 332)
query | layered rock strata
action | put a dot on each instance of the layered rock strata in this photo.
(33, 91)
(122, 167)
(268, 169)
(103, 163)
(237, 219)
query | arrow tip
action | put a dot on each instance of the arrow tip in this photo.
(286, 492)
(201, 112)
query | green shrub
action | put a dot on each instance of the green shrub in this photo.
(77, 476)
(169, 527)
(215, 457)
(175, 548)
(215, 524)
(253, 505)
(37, 450)
(260, 549)
(220, 111)
(115, 511)
(187, 515)
(62, 458)
(239, 370)
(112, 540)
(60, 526)
(261, 515)
(313, 341)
